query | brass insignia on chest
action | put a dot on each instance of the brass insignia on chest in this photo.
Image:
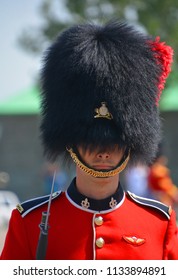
(85, 203)
(134, 240)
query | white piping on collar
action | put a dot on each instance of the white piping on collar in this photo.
(95, 211)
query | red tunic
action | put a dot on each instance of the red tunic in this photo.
(127, 230)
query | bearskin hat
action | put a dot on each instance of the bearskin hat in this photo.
(88, 65)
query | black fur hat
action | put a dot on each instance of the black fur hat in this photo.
(89, 64)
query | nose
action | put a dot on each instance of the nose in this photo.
(103, 155)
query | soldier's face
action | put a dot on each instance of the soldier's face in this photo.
(101, 159)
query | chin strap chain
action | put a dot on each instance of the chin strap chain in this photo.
(96, 173)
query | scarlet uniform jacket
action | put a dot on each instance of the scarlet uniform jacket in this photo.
(121, 227)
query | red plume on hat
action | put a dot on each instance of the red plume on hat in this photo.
(164, 57)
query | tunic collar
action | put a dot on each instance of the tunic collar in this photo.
(85, 202)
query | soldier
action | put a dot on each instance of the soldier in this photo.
(160, 181)
(100, 92)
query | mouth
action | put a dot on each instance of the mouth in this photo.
(102, 167)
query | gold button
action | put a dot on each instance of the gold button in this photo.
(99, 221)
(100, 242)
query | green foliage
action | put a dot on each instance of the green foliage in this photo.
(158, 18)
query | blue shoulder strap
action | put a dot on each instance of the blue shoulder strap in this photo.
(27, 206)
(152, 203)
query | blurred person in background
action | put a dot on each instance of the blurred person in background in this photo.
(100, 92)
(60, 182)
(160, 181)
(8, 199)
(136, 180)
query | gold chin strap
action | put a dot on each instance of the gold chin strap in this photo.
(95, 173)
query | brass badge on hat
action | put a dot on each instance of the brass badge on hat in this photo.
(103, 112)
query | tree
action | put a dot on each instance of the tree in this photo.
(154, 16)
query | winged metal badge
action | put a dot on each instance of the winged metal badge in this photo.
(134, 240)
